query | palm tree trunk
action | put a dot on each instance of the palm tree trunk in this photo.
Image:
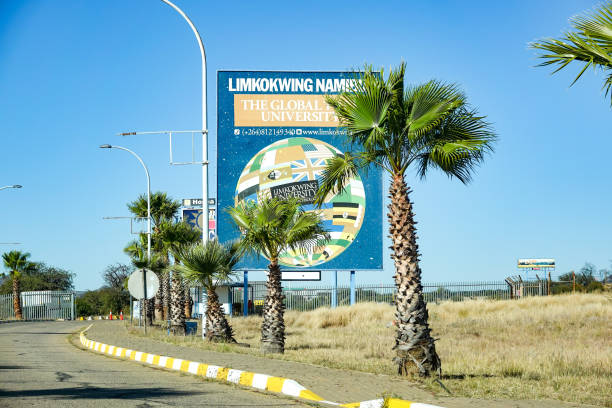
(165, 285)
(158, 305)
(177, 309)
(148, 307)
(273, 326)
(188, 302)
(217, 327)
(414, 345)
(16, 298)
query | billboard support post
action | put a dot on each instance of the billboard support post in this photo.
(352, 288)
(334, 299)
(245, 294)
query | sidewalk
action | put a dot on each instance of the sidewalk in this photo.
(332, 384)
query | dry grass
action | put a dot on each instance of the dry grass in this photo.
(556, 347)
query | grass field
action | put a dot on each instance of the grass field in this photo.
(557, 347)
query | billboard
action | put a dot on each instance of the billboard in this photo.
(193, 217)
(275, 134)
(536, 263)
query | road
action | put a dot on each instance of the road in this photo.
(40, 368)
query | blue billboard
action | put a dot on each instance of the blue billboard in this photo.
(275, 134)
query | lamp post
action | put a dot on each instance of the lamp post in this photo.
(144, 270)
(13, 186)
(204, 124)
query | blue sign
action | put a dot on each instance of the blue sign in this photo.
(275, 135)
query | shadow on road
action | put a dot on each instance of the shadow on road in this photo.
(96, 393)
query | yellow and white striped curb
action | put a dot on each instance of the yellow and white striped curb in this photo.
(390, 403)
(246, 378)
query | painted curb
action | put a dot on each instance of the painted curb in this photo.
(263, 382)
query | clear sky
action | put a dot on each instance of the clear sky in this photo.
(74, 73)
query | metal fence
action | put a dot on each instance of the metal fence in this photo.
(40, 305)
(312, 297)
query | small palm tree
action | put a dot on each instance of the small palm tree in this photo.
(269, 228)
(17, 263)
(396, 127)
(208, 266)
(157, 264)
(591, 44)
(174, 236)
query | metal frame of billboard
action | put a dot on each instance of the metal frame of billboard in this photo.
(374, 176)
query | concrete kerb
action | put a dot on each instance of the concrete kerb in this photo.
(263, 382)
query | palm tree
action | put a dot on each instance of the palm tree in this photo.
(591, 43)
(269, 228)
(17, 263)
(163, 209)
(158, 264)
(424, 126)
(208, 266)
(174, 236)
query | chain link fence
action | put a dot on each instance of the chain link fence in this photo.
(314, 296)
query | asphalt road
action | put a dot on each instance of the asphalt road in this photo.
(40, 368)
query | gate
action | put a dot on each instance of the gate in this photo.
(40, 305)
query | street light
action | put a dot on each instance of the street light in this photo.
(144, 270)
(13, 186)
(204, 124)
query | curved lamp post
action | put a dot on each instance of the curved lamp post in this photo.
(13, 186)
(144, 271)
(204, 124)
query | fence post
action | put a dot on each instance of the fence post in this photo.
(245, 294)
(72, 306)
(334, 299)
(548, 291)
(573, 282)
(352, 288)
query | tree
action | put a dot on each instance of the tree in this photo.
(591, 44)
(163, 209)
(17, 263)
(208, 266)
(174, 236)
(115, 275)
(40, 276)
(269, 228)
(396, 127)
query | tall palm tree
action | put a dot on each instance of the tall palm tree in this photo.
(17, 263)
(163, 209)
(591, 44)
(208, 266)
(269, 228)
(173, 236)
(395, 127)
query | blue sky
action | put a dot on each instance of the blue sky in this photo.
(74, 73)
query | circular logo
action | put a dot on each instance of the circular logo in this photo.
(294, 168)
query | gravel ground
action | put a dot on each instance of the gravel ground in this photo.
(332, 384)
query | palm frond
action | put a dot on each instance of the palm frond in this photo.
(457, 145)
(272, 225)
(590, 44)
(338, 171)
(208, 264)
(428, 105)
